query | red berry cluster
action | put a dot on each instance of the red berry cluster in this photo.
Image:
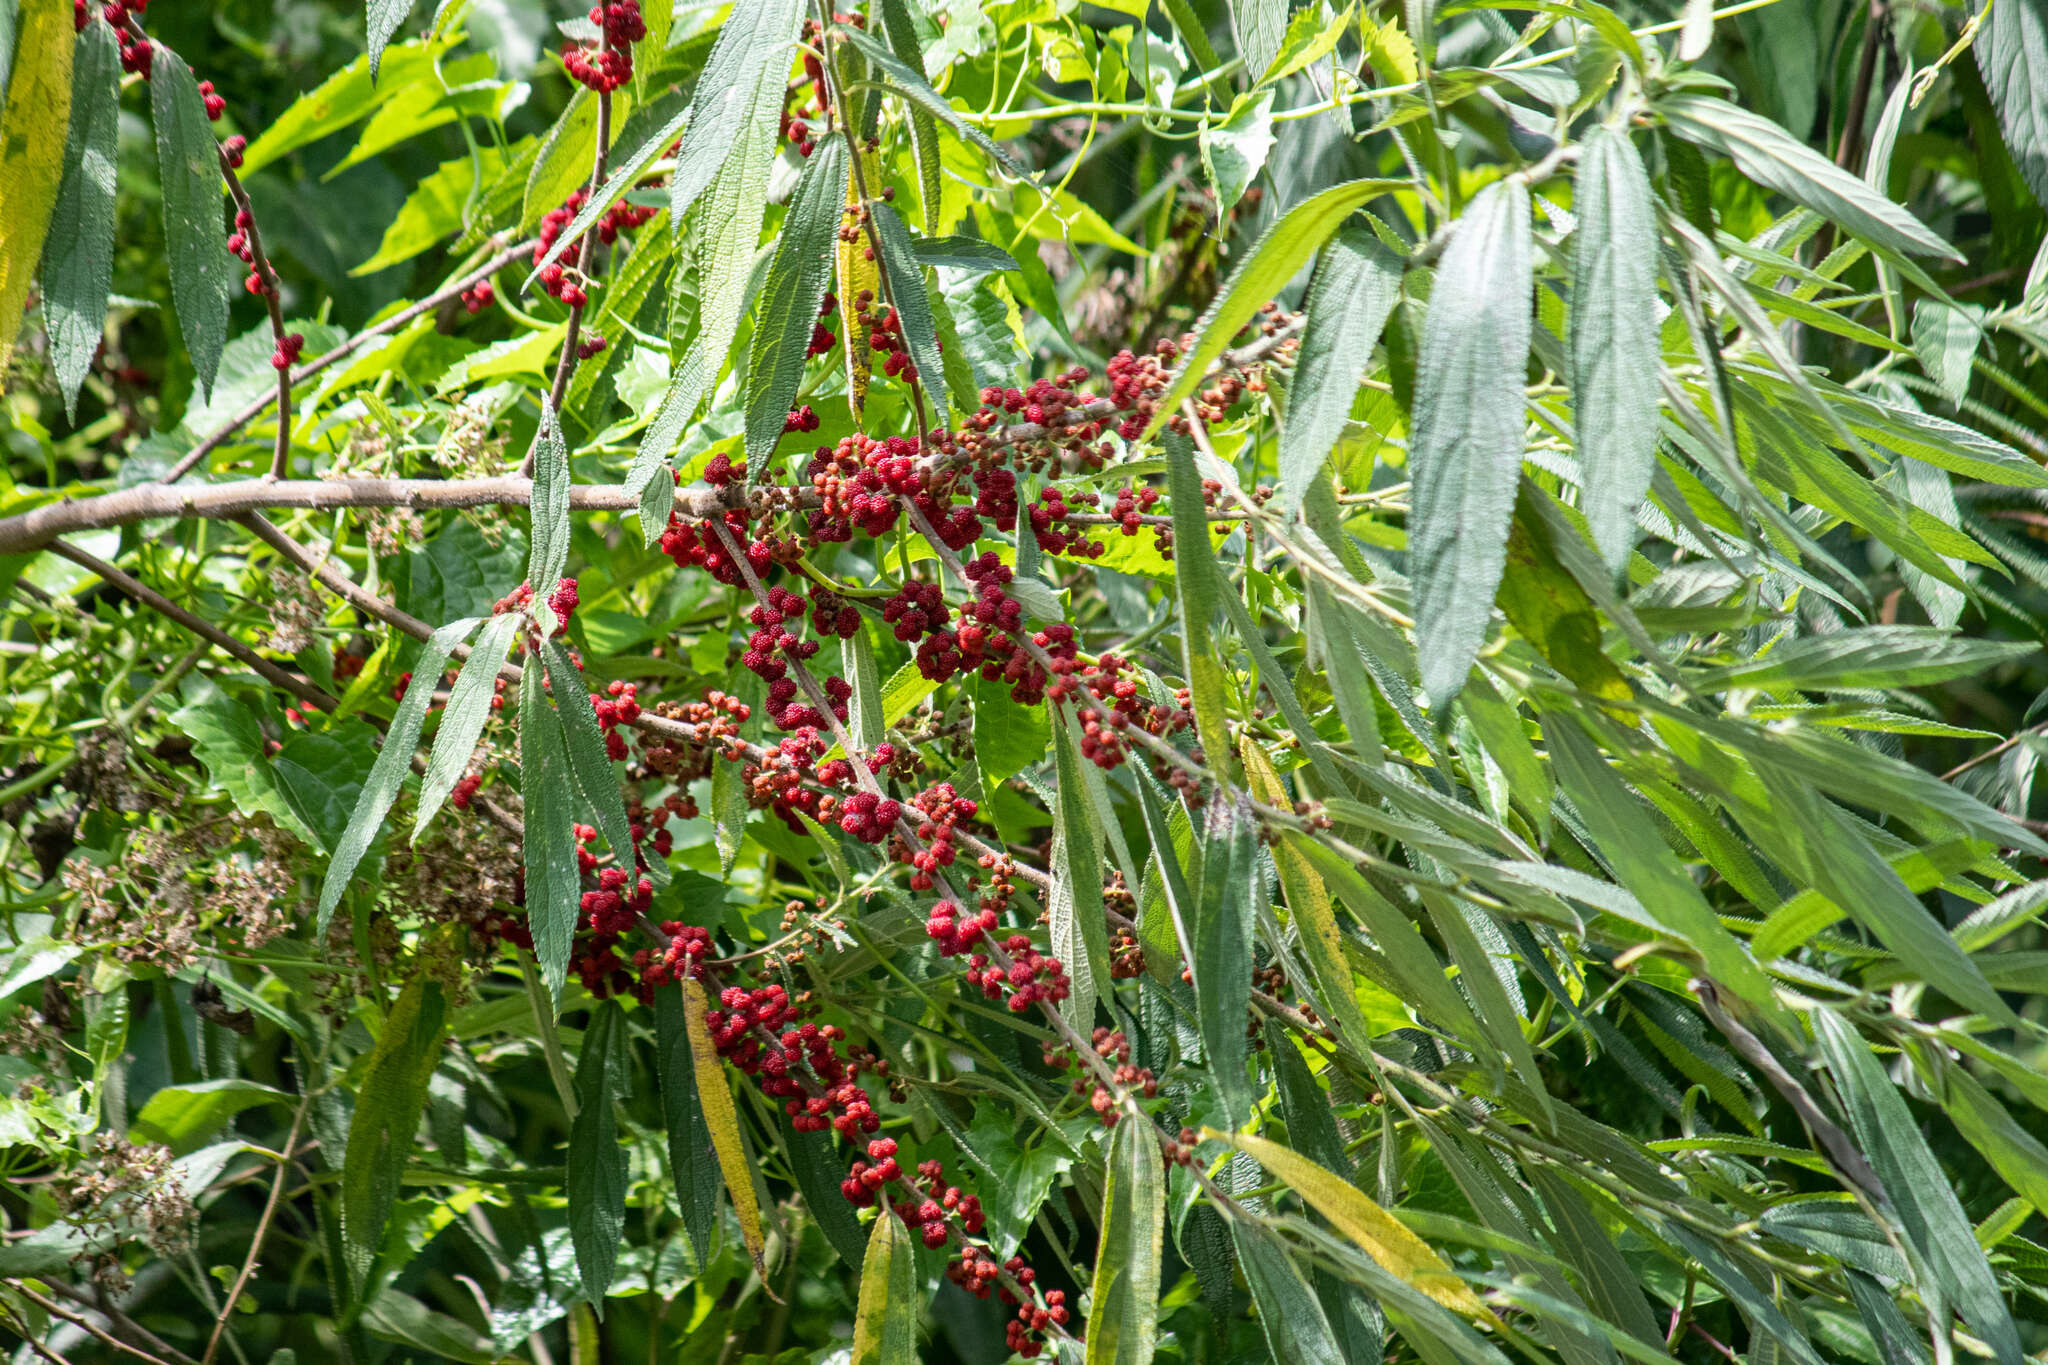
(242, 243)
(941, 810)
(799, 420)
(1048, 524)
(1112, 1046)
(478, 296)
(287, 353)
(590, 345)
(608, 66)
(976, 1272)
(1131, 504)
(823, 338)
(623, 217)
(554, 276)
(216, 105)
(688, 946)
(619, 706)
(1031, 978)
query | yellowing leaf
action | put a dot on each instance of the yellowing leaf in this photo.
(885, 1325)
(1388, 50)
(1308, 899)
(722, 1121)
(857, 271)
(1385, 1238)
(33, 123)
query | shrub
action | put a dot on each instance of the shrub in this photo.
(1340, 683)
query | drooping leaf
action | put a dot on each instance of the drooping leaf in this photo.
(728, 231)
(1466, 448)
(1871, 656)
(78, 254)
(1772, 157)
(714, 1102)
(1079, 935)
(188, 164)
(1294, 1323)
(1383, 1237)
(1921, 1193)
(1614, 336)
(1643, 862)
(1355, 288)
(33, 151)
(1123, 1328)
(906, 286)
(750, 55)
(553, 889)
(384, 19)
(549, 513)
(885, 1322)
(387, 1114)
(2012, 52)
(394, 761)
(913, 86)
(797, 280)
(462, 720)
(1221, 953)
(589, 761)
(595, 1161)
(693, 1166)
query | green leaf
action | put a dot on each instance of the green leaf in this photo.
(34, 110)
(1922, 1195)
(462, 720)
(1122, 1327)
(906, 289)
(1235, 150)
(1293, 1321)
(885, 1323)
(387, 1114)
(1627, 838)
(728, 230)
(901, 32)
(436, 207)
(913, 87)
(1220, 953)
(1774, 158)
(692, 1166)
(2012, 54)
(595, 1163)
(399, 1317)
(2017, 1155)
(78, 253)
(553, 889)
(188, 163)
(563, 162)
(815, 1161)
(1281, 250)
(1259, 26)
(226, 737)
(1354, 289)
(797, 280)
(589, 762)
(346, 97)
(549, 514)
(384, 18)
(1614, 337)
(1869, 657)
(1465, 453)
(1080, 934)
(970, 254)
(394, 761)
(186, 1116)
(750, 57)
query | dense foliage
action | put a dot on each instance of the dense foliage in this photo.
(1338, 682)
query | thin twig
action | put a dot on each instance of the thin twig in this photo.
(206, 630)
(284, 1166)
